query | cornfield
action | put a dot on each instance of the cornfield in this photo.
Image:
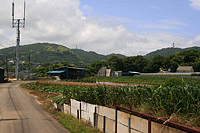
(173, 97)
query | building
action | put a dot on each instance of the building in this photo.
(1, 75)
(185, 69)
(102, 72)
(117, 73)
(68, 72)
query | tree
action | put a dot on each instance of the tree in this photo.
(115, 63)
(93, 68)
(156, 63)
(135, 63)
(189, 55)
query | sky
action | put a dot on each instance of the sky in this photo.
(129, 27)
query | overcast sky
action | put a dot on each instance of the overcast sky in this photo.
(128, 27)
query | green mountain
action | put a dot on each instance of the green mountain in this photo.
(45, 52)
(168, 51)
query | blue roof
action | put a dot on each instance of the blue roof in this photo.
(51, 72)
(133, 72)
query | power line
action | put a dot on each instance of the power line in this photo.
(2, 45)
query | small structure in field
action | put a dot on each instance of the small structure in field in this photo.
(1, 75)
(117, 73)
(109, 73)
(104, 72)
(68, 72)
(185, 69)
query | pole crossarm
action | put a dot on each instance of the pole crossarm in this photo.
(21, 23)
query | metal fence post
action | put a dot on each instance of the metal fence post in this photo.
(116, 120)
(129, 125)
(70, 107)
(149, 125)
(80, 110)
(104, 124)
(77, 114)
(95, 117)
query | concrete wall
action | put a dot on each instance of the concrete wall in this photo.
(75, 108)
(87, 112)
(109, 119)
(105, 119)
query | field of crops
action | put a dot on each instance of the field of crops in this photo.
(173, 97)
(140, 80)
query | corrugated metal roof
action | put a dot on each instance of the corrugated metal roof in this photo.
(51, 72)
(70, 68)
(133, 72)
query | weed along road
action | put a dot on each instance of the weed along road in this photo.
(20, 113)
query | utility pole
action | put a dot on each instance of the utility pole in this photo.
(7, 66)
(29, 59)
(17, 23)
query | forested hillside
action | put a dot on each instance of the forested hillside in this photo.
(52, 53)
(168, 51)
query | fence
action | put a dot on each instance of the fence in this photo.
(116, 121)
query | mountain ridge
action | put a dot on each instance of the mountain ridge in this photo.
(49, 52)
(55, 53)
(168, 51)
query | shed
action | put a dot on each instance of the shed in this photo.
(117, 73)
(68, 72)
(1, 75)
(185, 69)
(102, 72)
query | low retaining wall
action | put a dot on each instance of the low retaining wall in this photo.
(113, 120)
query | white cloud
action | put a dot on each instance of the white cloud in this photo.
(195, 4)
(155, 7)
(63, 22)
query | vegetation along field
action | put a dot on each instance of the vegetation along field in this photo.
(174, 99)
(138, 80)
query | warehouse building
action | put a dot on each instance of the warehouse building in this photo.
(1, 75)
(68, 72)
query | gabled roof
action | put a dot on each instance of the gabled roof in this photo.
(1, 68)
(185, 68)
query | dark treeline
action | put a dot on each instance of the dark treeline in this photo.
(134, 63)
(141, 64)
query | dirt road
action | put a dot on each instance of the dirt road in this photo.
(19, 113)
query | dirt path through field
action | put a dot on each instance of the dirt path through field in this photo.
(109, 84)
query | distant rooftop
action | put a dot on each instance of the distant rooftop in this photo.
(70, 68)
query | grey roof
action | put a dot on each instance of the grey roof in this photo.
(184, 68)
